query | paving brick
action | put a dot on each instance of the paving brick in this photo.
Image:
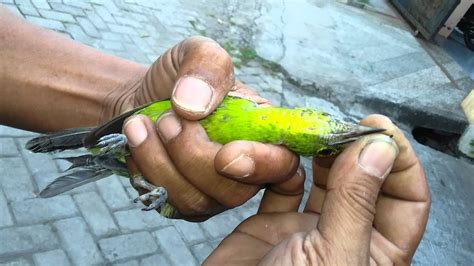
(74, 11)
(127, 21)
(78, 34)
(16, 262)
(78, 242)
(135, 219)
(221, 225)
(246, 211)
(144, 47)
(13, 132)
(15, 180)
(88, 27)
(37, 162)
(125, 182)
(8, 147)
(190, 232)
(46, 23)
(158, 259)
(96, 214)
(137, 55)
(43, 4)
(19, 2)
(19, 240)
(5, 216)
(122, 29)
(113, 193)
(104, 14)
(112, 36)
(128, 263)
(50, 14)
(98, 22)
(133, 193)
(174, 247)
(128, 246)
(111, 45)
(27, 9)
(53, 257)
(137, 17)
(78, 4)
(109, 4)
(14, 10)
(152, 57)
(202, 251)
(40, 210)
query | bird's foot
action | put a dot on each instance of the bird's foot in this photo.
(112, 143)
(157, 195)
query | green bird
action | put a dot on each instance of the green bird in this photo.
(306, 131)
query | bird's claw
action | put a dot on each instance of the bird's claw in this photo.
(157, 195)
(112, 142)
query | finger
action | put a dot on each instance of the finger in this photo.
(403, 208)
(243, 91)
(193, 154)
(196, 73)
(353, 185)
(256, 163)
(152, 161)
(407, 180)
(285, 196)
(321, 167)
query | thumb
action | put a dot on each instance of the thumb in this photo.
(353, 186)
(196, 74)
(205, 76)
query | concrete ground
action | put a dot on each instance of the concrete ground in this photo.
(326, 54)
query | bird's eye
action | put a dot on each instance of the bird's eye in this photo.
(325, 152)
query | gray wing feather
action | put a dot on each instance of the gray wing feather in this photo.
(73, 180)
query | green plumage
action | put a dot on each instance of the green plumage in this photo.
(303, 130)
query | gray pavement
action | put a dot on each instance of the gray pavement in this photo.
(294, 53)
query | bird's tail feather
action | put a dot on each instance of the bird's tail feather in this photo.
(73, 180)
(84, 169)
(79, 161)
(59, 141)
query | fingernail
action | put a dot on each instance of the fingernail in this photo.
(192, 94)
(135, 131)
(169, 126)
(378, 156)
(241, 167)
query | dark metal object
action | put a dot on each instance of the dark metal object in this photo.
(466, 25)
(427, 16)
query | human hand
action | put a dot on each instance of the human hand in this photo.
(370, 205)
(196, 74)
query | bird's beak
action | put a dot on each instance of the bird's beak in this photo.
(353, 134)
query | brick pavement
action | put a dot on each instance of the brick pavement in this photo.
(98, 223)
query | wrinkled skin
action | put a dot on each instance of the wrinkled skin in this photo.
(195, 177)
(50, 83)
(346, 221)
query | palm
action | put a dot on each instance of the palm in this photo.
(401, 214)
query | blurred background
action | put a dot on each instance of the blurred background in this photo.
(409, 60)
